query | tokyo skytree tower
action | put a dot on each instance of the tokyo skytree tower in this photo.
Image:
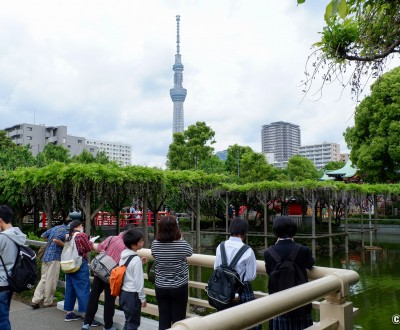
(178, 93)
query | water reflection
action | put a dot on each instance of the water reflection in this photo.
(377, 294)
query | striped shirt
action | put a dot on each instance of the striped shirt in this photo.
(172, 270)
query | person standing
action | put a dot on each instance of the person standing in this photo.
(112, 246)
(246, 267)
(8, 254)
(170, 252)
(77, 284)
(132, 297)
(50, 271)
(284, 229)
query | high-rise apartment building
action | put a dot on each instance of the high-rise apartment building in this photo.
(116, 151)
(38, 136)
(178, 93)
(321, 154)
(280, 141)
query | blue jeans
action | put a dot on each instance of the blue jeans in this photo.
(77, 286)
(5, 301)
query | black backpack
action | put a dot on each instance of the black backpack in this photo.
(225, 282)
(24, 273)
(286, 273)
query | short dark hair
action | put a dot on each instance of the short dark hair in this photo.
(284, 227)
(74, 224)
(6, 213)
(168, 229)
(128, 226)
(132, 237)
(238, 227)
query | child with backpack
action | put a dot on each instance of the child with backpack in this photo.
(246, 266)
(286, 264)
(132, 297)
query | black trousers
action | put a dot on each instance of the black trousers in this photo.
(98, 287)
(171, 305)
(132, 306)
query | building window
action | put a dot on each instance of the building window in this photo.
(29, 137)
(79, 141)
(29, 128)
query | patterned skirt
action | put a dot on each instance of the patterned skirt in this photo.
(291, 322)
(246, 295)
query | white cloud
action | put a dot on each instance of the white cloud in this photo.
(104, 69)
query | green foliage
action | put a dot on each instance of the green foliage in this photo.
(374, 139)
(300, 168)
(362, 32)
(255, 168)
(13, 156)
(336, 165)
(338, 38)
(213, 165)
(191, 148)
(52, 153)
(233, 160)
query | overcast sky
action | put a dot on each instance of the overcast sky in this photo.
(104, 69)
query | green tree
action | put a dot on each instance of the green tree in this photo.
(359, 37)
(300, 168)
(333, 166)
(255, 168)
(374, 138)
(213, 165)
(12, 155)
(52, 153)
(235, 152)
(190, 148)
(85, 157)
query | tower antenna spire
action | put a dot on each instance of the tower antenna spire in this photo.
(178, 18)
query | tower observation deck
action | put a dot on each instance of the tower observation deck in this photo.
(178, 93)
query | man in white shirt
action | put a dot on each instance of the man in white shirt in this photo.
(246, 267)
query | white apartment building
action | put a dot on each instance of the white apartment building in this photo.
(116, 151)
(321, 154)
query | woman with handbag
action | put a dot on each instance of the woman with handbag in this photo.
(78, 283)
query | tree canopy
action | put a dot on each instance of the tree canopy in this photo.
(190, 148)
(374, 138)
(359, 37)
(300, 168)
(12, 155)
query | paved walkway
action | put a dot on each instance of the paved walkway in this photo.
(23, 317)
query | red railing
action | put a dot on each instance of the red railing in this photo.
(109, 219)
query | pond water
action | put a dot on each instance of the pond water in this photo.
(377, 294)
